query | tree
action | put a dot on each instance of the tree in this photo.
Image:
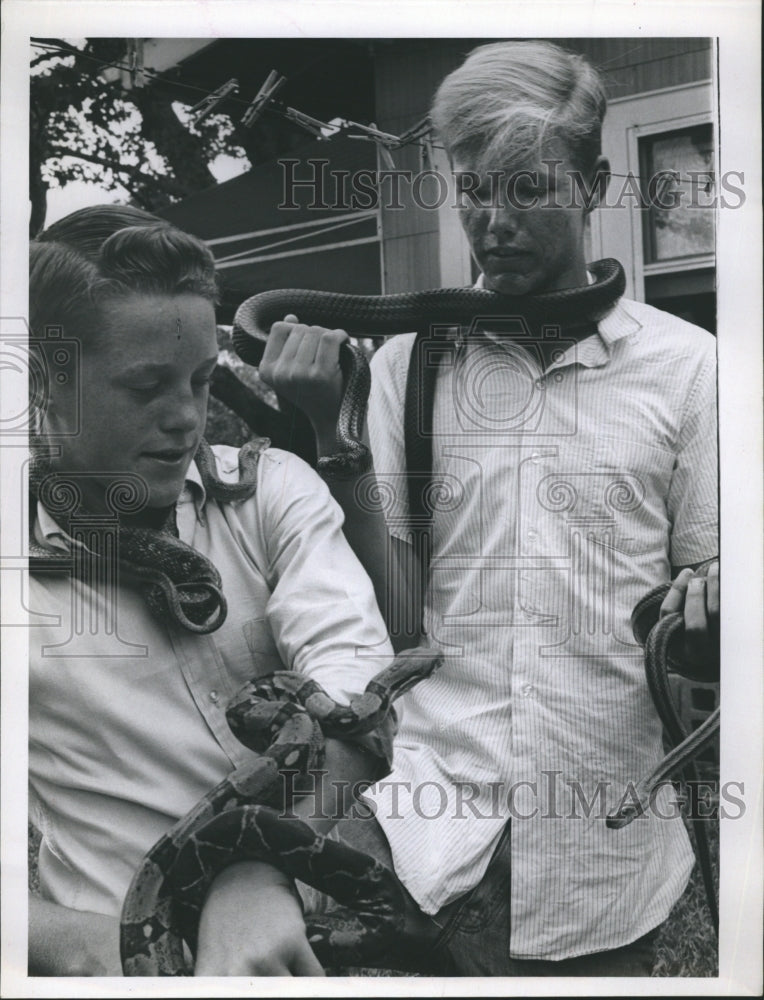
(95, 126)
(91, 124)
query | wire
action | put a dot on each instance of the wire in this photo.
(396, 142)
(54, 47)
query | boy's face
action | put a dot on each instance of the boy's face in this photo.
(526, 231)
(144, 385)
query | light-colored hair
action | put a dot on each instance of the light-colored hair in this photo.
(508, 99)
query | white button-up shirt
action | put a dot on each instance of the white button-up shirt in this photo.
(127, 727)
(568, 491)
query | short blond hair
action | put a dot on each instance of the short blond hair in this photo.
(508, 99)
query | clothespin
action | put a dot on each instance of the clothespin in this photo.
(385, 156)
(208, 104)
(313, 125)
(373, 132)
(425, 152)
(417, 131)
(135, 61)
(273, 84)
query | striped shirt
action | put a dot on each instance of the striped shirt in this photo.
(128, 730)
(569, 490)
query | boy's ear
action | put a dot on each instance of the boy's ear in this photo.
(600, 180)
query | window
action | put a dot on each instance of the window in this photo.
(667, 253)
(685, 226)
(678, 226)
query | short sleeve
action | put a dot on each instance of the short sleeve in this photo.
(387, 404)
(692, 503)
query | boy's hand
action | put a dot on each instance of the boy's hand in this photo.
(252, 925)
(301, 363)
(697, 597)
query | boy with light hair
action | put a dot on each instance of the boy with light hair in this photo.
(583, 473)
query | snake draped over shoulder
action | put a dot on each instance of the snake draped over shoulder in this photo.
(367, 315)
(284, 718)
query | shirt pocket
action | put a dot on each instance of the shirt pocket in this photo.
(262, 647)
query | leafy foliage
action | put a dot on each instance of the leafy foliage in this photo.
(91, 122)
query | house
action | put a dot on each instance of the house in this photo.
(290, 222)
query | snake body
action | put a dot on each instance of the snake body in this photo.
(283, 717)
(365, 315)
(657, 636)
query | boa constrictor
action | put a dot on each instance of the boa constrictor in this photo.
(283, 717)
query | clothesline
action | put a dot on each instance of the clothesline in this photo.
(420, 134)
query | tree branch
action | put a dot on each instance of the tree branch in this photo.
(164, 184)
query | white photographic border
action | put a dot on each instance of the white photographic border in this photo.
(736, 25)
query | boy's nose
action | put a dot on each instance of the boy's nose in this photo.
(502, 220)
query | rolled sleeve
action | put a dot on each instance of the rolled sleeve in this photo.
(322, 610)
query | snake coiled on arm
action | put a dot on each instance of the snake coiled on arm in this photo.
(283, 717)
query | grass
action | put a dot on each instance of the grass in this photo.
(686, 946)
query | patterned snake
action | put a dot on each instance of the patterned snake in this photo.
(284, 718)
(239, 818)
(366, 315)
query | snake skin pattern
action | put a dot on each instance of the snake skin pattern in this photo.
(365, 315)
(178, 583)
(284, 718)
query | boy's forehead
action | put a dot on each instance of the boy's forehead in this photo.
(552, 157)
(134, 330)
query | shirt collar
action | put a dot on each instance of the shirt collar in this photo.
(595, 350)
(48, 532)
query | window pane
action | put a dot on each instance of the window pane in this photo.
(687, 229)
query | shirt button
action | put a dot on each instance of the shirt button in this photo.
(532, 535)
(535, 458)
(214, 696)
(541, 383)
(527, 690)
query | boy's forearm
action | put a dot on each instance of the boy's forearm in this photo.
(65, 942)
(391, 564)
(329, 796)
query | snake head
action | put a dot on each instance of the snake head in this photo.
(410, 667)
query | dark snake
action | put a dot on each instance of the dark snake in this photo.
(388, 314)
(658, 636)
(284, 718)
(368, 315)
